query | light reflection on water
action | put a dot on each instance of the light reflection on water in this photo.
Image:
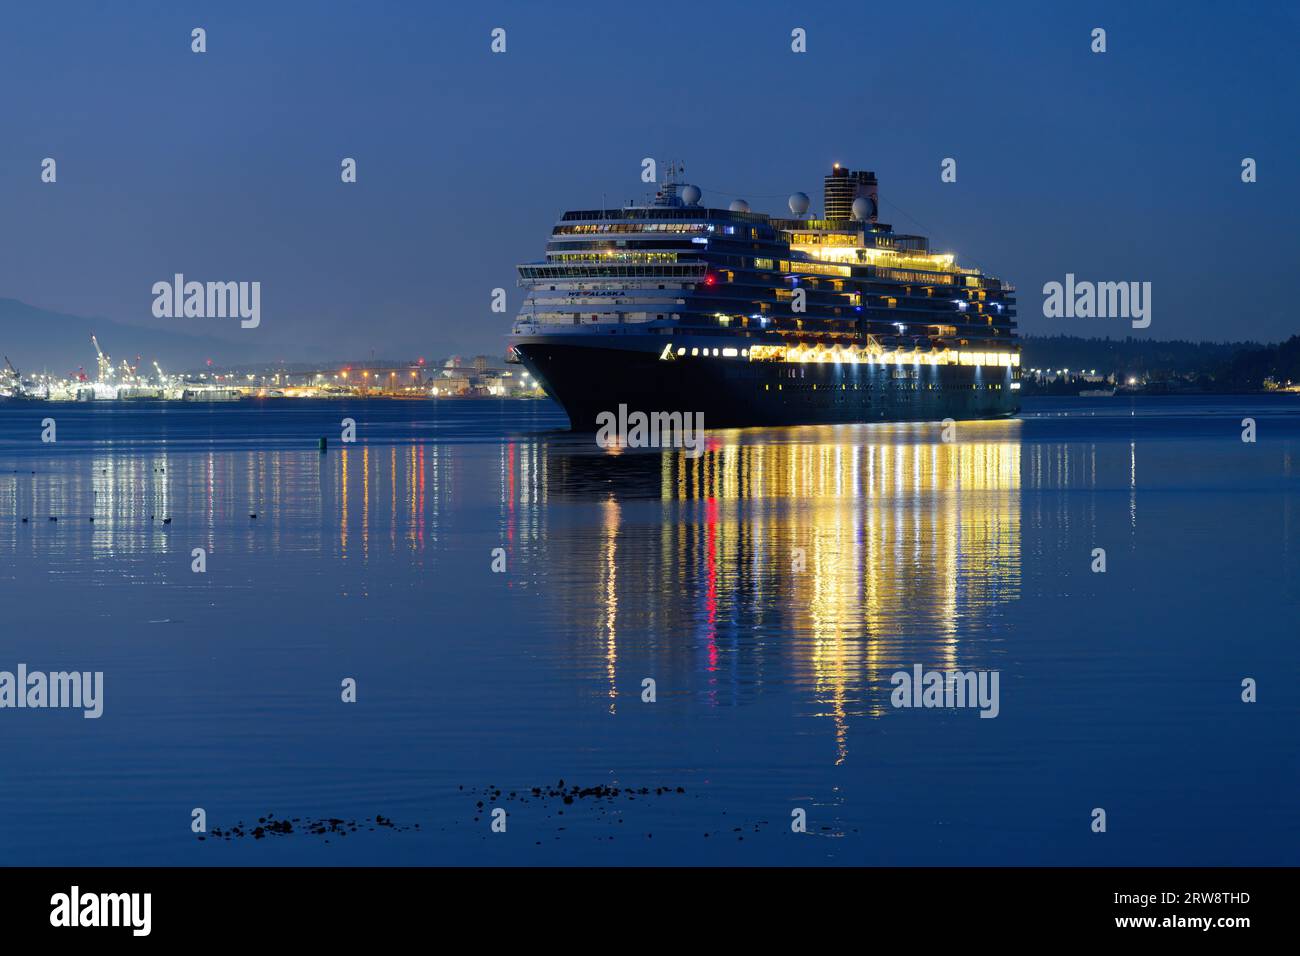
(769, 586)
(823, 562)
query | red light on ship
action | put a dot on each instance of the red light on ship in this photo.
(710, 279)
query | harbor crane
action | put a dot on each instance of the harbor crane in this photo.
(105, 363)
(19, 389)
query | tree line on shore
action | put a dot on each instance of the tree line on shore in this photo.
(1207, 366)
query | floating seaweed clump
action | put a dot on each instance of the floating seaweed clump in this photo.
(268, 826)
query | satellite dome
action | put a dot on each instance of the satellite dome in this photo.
(799, 203)
(691, 195)
(739, 205)
(863, 208)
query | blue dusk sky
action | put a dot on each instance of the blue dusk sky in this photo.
(225, 166)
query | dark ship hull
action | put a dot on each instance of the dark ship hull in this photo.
(734, 393)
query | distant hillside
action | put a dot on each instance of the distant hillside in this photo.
(37, 339)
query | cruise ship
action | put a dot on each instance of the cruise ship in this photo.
(675, 306)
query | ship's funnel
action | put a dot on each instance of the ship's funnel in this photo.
(843, 187)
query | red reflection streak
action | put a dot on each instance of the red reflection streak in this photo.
(711, 601)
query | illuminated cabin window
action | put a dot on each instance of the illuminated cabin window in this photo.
(607, 227)
(762, 263)
(729, 353)
(819, 268)
(891, 302)
(899, 275)
(615, 257)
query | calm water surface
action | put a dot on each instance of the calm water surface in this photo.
(770, 587)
